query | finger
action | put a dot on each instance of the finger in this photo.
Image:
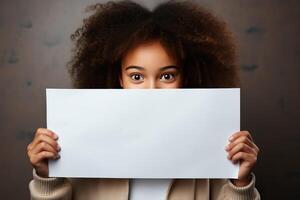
(240, 133)
(41, 156)
(247, 141)
(241, 139)
(244, 156)
(44, 146)
(252, 144)
(241, 147)
(46, 132)
(40, 131)
(47, 139)
(256, 147)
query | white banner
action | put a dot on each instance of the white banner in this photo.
(143, 133)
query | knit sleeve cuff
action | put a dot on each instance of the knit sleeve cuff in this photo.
(247, 192)
(46, 187)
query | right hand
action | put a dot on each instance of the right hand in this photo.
(43, 147)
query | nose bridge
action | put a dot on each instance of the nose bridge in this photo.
(152, 83)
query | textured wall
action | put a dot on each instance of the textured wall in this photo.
(35, 46)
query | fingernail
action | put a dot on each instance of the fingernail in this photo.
(231, 138)
(58, 147)
(55, 136)
(226, 147)
(58, 156)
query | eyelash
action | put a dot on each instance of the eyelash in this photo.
(172, 74)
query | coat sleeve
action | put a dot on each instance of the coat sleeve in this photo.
(50, 188)
(232, 192)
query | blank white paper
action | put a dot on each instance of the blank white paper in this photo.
(143, 133)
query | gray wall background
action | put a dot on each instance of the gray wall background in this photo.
(35, 46)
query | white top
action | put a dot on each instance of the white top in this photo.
(149, 189)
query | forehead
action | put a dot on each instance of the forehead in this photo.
(151, 54)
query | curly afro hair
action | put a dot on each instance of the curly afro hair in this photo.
(198, 40)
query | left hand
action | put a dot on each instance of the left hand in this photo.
(242, 148)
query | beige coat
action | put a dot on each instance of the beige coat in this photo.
(118, 189)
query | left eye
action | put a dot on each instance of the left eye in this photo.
(167, 76)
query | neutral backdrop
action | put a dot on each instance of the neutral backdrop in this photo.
(35, 46)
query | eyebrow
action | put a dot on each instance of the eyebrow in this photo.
(161, 69)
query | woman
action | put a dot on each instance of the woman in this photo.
(124, 45)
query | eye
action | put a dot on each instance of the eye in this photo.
(168, 76)
(136, 77)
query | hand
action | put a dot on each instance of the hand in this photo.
(242, 148)
(43, 147)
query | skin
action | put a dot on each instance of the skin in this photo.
(149, 66)
(156, 69)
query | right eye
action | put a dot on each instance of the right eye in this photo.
(136, 77)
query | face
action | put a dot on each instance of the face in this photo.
(148, 66)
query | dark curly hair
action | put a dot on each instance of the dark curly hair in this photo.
(198, 41)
